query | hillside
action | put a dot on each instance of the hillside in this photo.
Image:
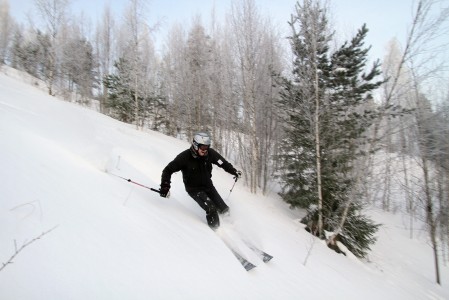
(111, 239)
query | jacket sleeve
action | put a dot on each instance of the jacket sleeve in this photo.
(218, 160)
(173, 167)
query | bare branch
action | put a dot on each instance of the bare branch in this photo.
(18, 250)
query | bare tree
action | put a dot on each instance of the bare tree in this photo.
(137, 37)
(426, 142)
(270, 131)
(224, 83)
(412, 71)
(254, 42)
(6, 30)
(104, 41)
(248, 36)
(53, 14)
(175, 76)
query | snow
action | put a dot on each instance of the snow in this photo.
(112, 239)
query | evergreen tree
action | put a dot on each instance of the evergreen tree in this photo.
(120, 101)
(347, 119)
(328, 112)
(32, 54)
(79, 66)
(198, 57)
(310, 46)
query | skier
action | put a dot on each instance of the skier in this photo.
(195, 164)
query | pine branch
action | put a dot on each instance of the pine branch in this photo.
(18, 250)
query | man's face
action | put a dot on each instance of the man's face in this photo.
(202, 150)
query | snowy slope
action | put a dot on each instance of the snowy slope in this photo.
(115, 240)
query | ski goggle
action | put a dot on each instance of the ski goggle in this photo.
(197, 146)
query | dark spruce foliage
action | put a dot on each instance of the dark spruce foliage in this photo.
(346, 112)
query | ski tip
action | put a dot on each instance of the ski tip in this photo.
(267, 258)
(249, 267)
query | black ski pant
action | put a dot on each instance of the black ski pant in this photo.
(209, 200)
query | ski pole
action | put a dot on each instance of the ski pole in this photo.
(232, 188)
(235, 181)
(139, 184)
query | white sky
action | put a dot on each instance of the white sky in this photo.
(385, 19)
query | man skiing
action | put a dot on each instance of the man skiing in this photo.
(195, 164)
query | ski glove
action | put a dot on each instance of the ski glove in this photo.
(237, 174)
(165, 188)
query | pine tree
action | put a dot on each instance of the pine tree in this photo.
(79, 66)
(310, 47)
(328, 108)
(350, 115)
(120, 99)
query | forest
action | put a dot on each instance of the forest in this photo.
(306, 115)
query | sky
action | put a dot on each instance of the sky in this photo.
(385, 19)
(111, 239)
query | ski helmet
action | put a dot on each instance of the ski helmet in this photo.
(200, 139)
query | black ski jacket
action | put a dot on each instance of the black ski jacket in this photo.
(196, 170)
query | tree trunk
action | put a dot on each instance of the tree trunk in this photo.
(430, 218)
(318, 155)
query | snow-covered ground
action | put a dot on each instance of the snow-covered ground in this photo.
(111, 239)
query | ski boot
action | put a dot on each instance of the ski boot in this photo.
(213, 220)
(212, 215)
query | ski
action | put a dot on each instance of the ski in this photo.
(265, 257)
(245, 263)
(240, 248)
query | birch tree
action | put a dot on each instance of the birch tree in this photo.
(53, 14)
(254, 68)
(135, 37)
(6, 30)
(421, 48)
(137, 81)
(221, 88)
(175, 76)
(302, 101)
(104, 41)
(247, 27)
(399, 134)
